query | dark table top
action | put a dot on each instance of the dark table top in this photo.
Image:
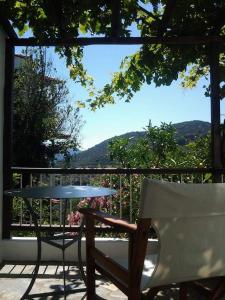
(61, 192)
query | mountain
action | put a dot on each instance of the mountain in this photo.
(97, 155)
(190, 130)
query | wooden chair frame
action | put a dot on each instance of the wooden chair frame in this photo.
(128, 282)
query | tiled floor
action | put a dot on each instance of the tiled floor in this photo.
(14, 278)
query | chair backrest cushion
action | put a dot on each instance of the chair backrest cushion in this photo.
(190, 222)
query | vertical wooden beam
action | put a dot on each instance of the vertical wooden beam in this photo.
(223, 144)
(115, 18)
(167, 16)
(214, 53)
(7, 136)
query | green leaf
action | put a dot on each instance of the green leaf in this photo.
(80, 104)
(82, 28)
(22, 31)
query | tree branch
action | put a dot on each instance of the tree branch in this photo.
(148, 13)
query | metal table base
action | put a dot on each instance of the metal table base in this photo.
(66, 242)
(64, 193)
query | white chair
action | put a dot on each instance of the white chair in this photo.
(189, 220)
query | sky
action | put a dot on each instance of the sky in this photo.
(162, 104)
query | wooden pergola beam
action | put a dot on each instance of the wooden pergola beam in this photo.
(167, 15)
(217, 136)
(220, 22)
(7, 136)
(181, 40)
(115, 18)
(214, 52)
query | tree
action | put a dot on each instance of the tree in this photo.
(153, 63)
(159, 149)
(44, 123)
(154, 150)
(198, 153)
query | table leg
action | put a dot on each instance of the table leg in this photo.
(80, 262)
(65, 202)
(38, 235)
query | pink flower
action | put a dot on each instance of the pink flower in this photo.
(84, 203)
(74, 218)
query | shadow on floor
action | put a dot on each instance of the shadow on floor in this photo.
(15, 278)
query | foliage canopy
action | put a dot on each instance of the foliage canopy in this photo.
(152, 63)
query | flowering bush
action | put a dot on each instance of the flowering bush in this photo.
(74, 218)
(100, 203)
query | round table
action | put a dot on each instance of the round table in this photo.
(62, 193)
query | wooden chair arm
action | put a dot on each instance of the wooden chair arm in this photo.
(108, 219)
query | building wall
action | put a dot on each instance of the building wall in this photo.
(2, 72)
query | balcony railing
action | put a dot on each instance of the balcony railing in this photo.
(124, 204)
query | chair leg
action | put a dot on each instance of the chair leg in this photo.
(183, 291)
(90, 288)
(134, 295)
(219, 291)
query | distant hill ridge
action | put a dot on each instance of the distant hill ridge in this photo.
(97, 155)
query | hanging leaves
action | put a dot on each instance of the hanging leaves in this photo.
(158, 64)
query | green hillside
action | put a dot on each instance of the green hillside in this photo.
(97, 156)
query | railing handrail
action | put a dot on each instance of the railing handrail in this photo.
(25, 170)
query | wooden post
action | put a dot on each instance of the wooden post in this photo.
(215, 109)
(223, 143)
(115, 18)
(7, 136)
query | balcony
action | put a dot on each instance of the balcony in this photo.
(19, 249)
(19, 242)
